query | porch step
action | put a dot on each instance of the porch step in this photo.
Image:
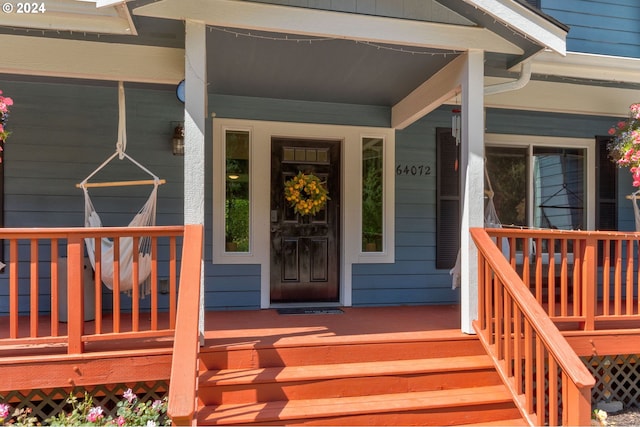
(436, 407)
(235, 386)
(355, 381)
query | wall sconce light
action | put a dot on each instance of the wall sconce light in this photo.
(177, 141)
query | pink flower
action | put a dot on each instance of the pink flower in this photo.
(121, 421)
(4, 411)
(129, 395)
(8, 101)
(612, 131)
(621, 125)
(94, 414)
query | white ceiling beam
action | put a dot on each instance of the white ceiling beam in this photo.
(323, 23)
(38, 56)
(431, 94)
(525, 21)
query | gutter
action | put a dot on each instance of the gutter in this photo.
(519, 83)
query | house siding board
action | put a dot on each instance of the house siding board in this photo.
(413, 279)
(606, 27)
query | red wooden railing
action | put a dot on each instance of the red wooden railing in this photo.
(34, 288)
(549, 382)
(184, 367)
(586, 278)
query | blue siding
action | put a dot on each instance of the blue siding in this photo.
(606, 27)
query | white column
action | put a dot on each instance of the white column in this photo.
(195, 111)
(472, 184)
(195, 108)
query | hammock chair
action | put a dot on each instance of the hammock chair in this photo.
(636, 209)
(146, 216)
(491, 220)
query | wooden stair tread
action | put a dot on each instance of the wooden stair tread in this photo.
(510, 422)
(343, 370)
(344, 406)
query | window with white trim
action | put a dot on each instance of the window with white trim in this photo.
(542, 182)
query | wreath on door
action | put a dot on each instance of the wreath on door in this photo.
(306, 194)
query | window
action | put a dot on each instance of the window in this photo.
(372, 192)
(236, 218)
(541, 182)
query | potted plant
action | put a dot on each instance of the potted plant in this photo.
(624, 148)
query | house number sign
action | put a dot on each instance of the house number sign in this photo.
(413, 169)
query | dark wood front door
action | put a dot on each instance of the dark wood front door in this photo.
(304, 249)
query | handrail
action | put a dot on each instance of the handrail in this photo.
(184, 366)
(500, 329)
(38, 247)
(583, 278)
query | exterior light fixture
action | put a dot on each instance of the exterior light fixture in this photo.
(177, 141)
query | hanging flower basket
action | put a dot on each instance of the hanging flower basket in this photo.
(624, 148)
(306, 194)
(5, 103)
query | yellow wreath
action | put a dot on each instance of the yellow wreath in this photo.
(306, 194)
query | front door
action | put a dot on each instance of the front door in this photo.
(304, 248)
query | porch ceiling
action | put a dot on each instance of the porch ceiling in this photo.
(327, 70)
(316, 55)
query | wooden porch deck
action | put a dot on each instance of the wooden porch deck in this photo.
(226, 328)
(255, 327)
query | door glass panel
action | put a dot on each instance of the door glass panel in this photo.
(237, 191)
(372, 192)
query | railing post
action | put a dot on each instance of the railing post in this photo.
(577, 401)
(75, 295)
(589, 279)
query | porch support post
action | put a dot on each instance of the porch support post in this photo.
(195, 110)
(472, 183)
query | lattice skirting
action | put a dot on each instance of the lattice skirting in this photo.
(617, 379)
(48, 403)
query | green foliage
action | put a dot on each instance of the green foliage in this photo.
(130, 412)
(372, 199)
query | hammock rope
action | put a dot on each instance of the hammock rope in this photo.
(146, 216)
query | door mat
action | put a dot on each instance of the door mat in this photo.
(310, 310)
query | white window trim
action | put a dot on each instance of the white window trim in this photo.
(387, 254)
(261, 133)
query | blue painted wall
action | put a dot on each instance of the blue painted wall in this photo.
(605, 27)
(61, 132)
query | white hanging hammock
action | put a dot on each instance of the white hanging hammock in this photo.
(636, 209)
(146, 216)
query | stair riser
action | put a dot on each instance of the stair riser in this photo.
(471, 414)
(247, 358)
(341, 387)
